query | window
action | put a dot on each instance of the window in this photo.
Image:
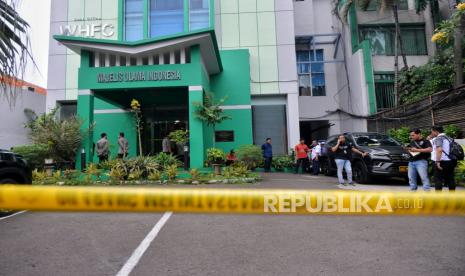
(311, 73)
(382, 39)
(166, 17)
(67, 110)
(384, 90)
(401, 5)
(133, 20)
(199, 16)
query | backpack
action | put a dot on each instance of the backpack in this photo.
(455, 150)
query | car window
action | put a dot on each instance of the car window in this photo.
(369, 140)
(331, 141)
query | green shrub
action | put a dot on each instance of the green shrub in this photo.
(460, 172)
(63, 137)
(154, 176)
(250, 155)
(180, 136)
(172, 172)
(135, 174)
(402, 135)
(164, 160)
(38, 176)
(34, 154)
(452, 131)
(215, 156)
(283, 161)
(422, 81)
(195, 174)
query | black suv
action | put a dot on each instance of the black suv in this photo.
(14, 169)
(386, 156)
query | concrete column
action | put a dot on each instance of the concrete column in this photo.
(172, 59)
(150, 60)
(196, 146)
(117, 63)
(139, 60)
(85, 111)
(183, 56)
(161, 59)
(97, 59)
(107, 60)
(293, 128)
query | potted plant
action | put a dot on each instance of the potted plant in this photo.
(250, 155)
(216, 158)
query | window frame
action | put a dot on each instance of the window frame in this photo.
(420, 30)
(187, 26)
(313, 59)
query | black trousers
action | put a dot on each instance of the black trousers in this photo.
(301, 162)
(268, 161)
(445, 176)
(315, 167)
(102, 158)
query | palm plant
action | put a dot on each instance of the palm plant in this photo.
(14, 48)
(211, 112)
(63, 137)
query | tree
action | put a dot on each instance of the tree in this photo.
(211, 112)
(14, 48)
(452, 29)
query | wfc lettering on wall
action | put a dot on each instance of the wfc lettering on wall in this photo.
(138, 76)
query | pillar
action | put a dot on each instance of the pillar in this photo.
(85, 112)
(196, 144)
(293, 119)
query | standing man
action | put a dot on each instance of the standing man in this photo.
(420, 151)
(316, 152)
(444, 165)
(301, 151)
(103, 148)
(166, 144)
(342, 155)
(123, 146)
(267, 150)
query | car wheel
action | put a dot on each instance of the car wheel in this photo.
(326, 168)
(8, 181)
(360, 173)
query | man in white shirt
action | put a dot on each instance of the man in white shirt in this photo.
(444, 166)
(166, 145)
(316, 152)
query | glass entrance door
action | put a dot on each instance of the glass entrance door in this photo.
(160, 122)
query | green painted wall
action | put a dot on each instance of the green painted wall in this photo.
(112, 124)
(241, 124)
(234, 83)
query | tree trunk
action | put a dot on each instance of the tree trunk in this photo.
(458, 58)
(396, 59)
(400, 44)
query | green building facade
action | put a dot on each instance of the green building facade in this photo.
(114, 54)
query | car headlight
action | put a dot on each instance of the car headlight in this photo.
(377, 155)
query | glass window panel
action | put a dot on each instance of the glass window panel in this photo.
(199, 14)
(166, 17)
(133, 20)
(382, 40)
(304, 81)
(302, 56)
(318, 84)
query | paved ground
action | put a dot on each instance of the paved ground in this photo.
(101, 244)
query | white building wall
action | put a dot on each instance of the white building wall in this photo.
(12, 128)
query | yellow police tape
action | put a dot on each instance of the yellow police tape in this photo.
(234, 201)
